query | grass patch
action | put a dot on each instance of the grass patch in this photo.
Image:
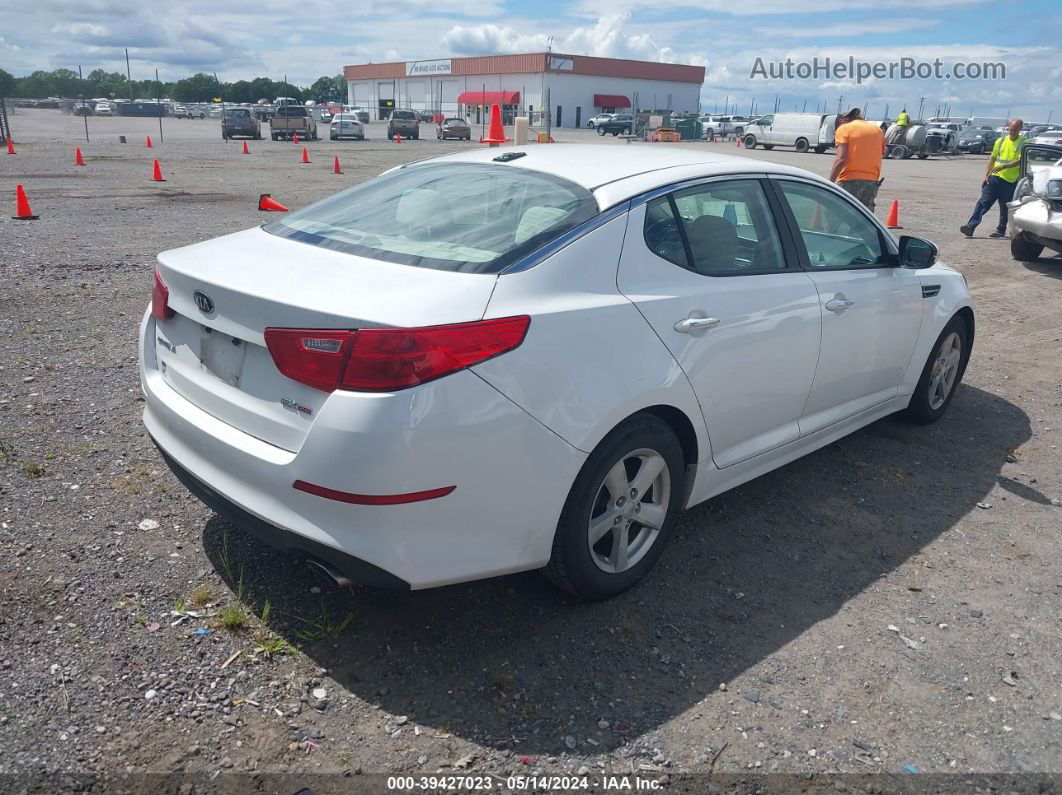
(233, 617)
(226, 560)
(201, 596)
(32, 469)
(325, 628)
(7, 452)
(179, 605)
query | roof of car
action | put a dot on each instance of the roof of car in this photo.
(615, 173)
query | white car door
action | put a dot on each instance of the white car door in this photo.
(871, 307)
(706, 267)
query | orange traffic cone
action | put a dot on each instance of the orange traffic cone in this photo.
(246, 149)
(335, 167)
(495, 131)
(78, 159)
(893, 221)
(149, 146)
(10, 146)
(737, 142)
(398, 138)
(22, 206)
(266, 204)
(305, 155)
(295, 138)
(156, 175)
(816, 220)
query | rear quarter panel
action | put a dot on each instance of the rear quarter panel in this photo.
(589, 360)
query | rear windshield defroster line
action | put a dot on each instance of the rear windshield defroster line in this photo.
(466, 217)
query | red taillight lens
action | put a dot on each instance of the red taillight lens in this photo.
(315, 358)
(380, 360)
(160, 297)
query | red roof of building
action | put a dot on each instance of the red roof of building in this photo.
(535, 63)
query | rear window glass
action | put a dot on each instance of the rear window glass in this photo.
(454, 121)
(290, 112)
(404, 114)
(238, 113)
(468, 217)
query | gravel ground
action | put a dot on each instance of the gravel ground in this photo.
(761, 642)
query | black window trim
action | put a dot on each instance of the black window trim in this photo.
(885, 240)
(790, 253)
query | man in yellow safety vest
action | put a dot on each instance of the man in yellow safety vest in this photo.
(903, 119)
(1000, 179)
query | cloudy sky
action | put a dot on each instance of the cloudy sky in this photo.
(309, 38)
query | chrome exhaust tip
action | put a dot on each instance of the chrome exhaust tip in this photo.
(340, 580)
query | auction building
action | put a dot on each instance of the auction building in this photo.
(574, 88)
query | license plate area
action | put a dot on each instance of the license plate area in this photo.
(222, 355)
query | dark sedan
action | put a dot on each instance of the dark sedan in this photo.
(454, 128)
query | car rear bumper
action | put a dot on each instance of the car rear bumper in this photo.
(511, 475)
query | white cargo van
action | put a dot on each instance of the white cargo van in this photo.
(803, 131)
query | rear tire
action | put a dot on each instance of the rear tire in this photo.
(941, 375)
(922, 156)
(750, 142)
(1023, 249)
(820, 149)
(768, 147)
(600, 130)
(801, 145)
(600, 504)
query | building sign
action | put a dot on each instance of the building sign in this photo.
(427, 68)
(561, 62)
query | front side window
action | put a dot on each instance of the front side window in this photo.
(834, 232)
(474, 218)
(717, 229)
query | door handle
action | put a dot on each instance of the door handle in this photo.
(839, 304)
(690, 324)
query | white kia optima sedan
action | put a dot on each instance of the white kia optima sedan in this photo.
(515, 359)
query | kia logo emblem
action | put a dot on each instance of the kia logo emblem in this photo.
(202, 300)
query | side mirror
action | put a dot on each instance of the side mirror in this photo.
(917, 253)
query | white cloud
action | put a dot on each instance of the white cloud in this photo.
(606, 38)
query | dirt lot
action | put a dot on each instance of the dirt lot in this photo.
(760, 642)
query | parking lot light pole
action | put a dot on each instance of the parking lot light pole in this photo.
(81, 79)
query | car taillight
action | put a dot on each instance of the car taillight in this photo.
(160, 297)
(381, 360)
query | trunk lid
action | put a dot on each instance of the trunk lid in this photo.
(249, 281)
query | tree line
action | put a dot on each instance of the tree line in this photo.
(200, 87)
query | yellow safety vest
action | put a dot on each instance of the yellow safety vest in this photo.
(1005, 150)
(903, 120)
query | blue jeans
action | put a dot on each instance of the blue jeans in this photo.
(995, 190)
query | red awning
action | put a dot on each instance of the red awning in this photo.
(489, 98)
(611, 101)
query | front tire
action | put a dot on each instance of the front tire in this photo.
(620, 511)
(941, 375)
(1024, 249)
(750, 141)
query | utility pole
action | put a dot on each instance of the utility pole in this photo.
(81, 78)
(128, 74)
(158, 104)
(921, 103)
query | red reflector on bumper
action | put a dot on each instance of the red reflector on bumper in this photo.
(372, 499)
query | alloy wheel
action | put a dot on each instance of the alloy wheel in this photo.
(629, 510)
(945, 370)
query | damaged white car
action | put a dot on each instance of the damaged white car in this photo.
(1036, 211)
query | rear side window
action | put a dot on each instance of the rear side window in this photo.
(467, 217)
